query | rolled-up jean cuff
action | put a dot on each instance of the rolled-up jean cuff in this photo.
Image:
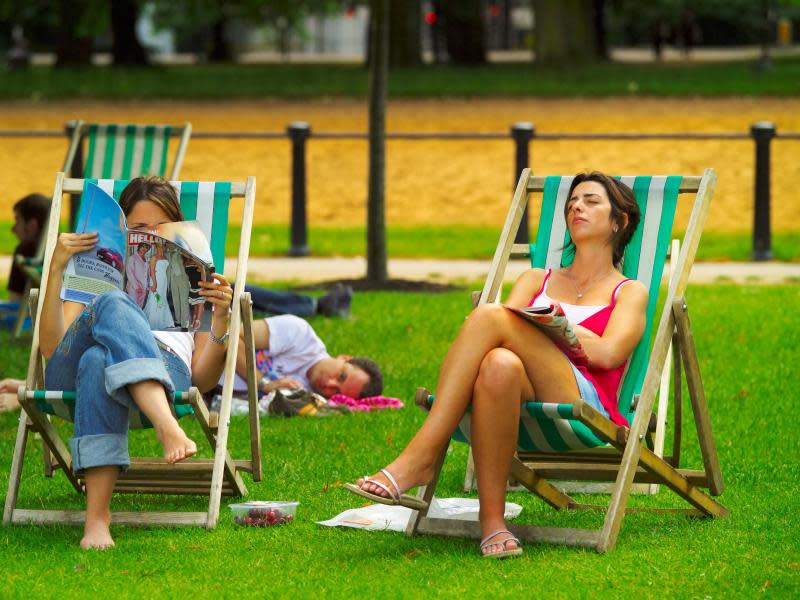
(136, 370)
(100, 450)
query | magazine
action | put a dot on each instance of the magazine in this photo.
(160, 270)
(553, 323)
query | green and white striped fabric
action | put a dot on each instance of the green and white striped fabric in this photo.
(550, 427)
(125, 151)
(204, 201)
(62, 404)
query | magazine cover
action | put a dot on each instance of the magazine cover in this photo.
(160, 270)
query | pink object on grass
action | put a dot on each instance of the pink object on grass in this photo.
(365, 404)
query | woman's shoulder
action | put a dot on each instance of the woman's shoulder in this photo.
(631, 290)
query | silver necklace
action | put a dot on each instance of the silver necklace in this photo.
(590, 284)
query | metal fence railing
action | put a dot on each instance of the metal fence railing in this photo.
(521, 134)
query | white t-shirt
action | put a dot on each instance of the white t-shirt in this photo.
(294, 348)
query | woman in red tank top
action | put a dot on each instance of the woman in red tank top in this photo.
(498, 361)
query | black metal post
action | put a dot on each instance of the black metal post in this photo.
(299, 132)
(76, 171)
(762, 133)
(522, 134)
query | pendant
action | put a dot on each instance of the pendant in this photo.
(580, 296)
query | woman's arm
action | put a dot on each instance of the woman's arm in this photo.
(623, 332)
(152, 269)
(208, 360)
(525, 288)
(56, 315)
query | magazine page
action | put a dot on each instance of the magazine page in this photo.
(554, 324)
(164, 280)
(101, 269)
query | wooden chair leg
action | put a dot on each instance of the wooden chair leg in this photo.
(15, 474)
(426, 493)
(697, 396)
(252, 386)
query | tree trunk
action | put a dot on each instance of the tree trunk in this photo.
(71, 49)
(378, 74)
(464, 31)
(404, 33)
(565, 32)
(220, 50)
(125, 48)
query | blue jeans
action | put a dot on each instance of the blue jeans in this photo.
(281, 303)
(108, 347)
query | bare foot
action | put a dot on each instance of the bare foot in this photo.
(8, 402)
(97, 534)
(404, 474)
(175, 442)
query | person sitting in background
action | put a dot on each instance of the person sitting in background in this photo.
(290, 355)
(30, 218)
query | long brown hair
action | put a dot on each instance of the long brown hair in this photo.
(155, 189)
(623, 202)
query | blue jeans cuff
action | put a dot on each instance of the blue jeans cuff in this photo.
(101, 450)
(136, 370)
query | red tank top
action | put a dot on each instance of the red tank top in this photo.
(605, 381)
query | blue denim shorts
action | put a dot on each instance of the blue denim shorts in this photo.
(588, 392)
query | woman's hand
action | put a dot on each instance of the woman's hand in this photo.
(68, 245)
(220, 294)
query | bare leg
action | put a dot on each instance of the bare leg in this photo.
(100, 483)
(490, 326)
(152, 400)
(501, 387)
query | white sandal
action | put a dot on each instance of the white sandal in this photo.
(505, 552)
(396, 498)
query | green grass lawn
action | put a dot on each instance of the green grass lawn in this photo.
(749, 366)
(452, 242)
(315, 80)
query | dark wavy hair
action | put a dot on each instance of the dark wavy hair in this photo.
(374, 386)
(623, 202)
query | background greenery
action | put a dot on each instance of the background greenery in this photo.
(452, 242)
(748, 365)
(226, 81)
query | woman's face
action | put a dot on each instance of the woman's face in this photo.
(589, 212)
(147, 215)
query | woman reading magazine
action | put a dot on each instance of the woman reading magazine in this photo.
(498, 361)
(107, 353)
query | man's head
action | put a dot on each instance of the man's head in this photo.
(30, 215)
(142, 248)
(355, 377)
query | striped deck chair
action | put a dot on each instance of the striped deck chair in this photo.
(208, 202)
(115, 151)
(573, 441)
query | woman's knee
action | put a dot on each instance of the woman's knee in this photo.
(499, 369)
(114, 302)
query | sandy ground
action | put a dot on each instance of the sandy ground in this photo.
(444, 182)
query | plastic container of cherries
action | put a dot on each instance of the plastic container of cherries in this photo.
(261, 513)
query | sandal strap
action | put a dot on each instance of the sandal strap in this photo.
(393, 481)
(485, 541)
(380, 485)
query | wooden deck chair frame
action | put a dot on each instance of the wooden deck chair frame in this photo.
(657, 428)
(628, 460)
(203, 476)
(80, 130)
